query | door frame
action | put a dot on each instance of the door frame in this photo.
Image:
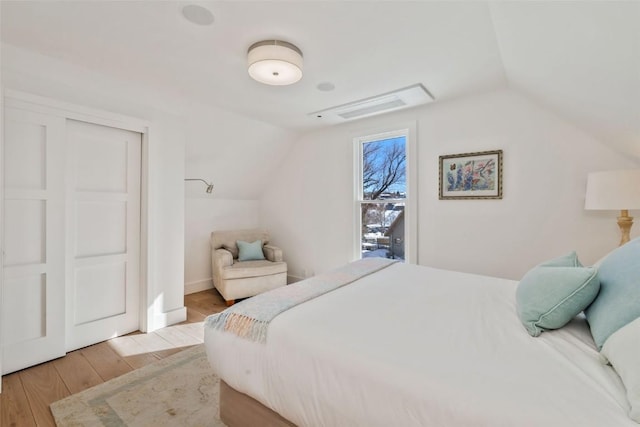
(1, 221)
(39, 104)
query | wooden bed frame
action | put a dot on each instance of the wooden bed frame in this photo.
(239, 410)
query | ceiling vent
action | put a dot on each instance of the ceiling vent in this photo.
(391, 101)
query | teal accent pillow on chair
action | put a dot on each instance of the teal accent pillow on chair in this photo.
(554, 292)
(250, 251)
(618, 302)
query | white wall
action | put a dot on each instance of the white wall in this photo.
(546, 161)
(44, 76)
(239, 155)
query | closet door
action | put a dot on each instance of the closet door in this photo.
(103, 258)
(33, 309)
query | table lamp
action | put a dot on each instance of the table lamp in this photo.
(615, 190)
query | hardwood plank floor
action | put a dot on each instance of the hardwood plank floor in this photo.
(27, 394)
(76, 372)
(15, 406)
(43, 385)
(107, 363)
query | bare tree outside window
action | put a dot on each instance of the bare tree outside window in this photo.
(384, 167)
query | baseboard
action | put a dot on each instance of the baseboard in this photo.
(169, 318)
(205, 284)
(198, 286)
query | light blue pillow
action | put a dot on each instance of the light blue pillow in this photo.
(569, 260)
(618, 302)
(250, 251)
(554, 292)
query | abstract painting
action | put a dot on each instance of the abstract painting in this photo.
(471, 175)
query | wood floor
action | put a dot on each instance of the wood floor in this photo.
(26, 394)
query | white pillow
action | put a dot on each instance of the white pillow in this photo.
(622, 350)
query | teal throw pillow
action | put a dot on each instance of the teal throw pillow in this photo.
(554, 292)
(618, 302)
(250, 251)
(569, 260)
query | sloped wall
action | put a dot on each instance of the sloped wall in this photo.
(310, 205)
(239, 156)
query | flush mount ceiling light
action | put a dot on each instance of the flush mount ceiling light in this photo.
(275, 62)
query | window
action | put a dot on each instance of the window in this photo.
(382, 195)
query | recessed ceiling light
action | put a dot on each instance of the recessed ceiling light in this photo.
(197, 14)
(326, 87)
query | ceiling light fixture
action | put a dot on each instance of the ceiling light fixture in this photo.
(275, 62)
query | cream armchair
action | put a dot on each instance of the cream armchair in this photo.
(240, 279)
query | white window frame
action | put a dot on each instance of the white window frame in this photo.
(411, 205)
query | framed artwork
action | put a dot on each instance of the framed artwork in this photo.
(471, 175)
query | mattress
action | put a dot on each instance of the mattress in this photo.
(415, 346)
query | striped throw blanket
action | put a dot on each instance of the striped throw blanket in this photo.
(250, 318)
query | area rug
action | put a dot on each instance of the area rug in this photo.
(180, 390)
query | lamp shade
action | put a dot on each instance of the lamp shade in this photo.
(275, 62)
(613, 190)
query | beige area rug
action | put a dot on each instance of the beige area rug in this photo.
(180, 390)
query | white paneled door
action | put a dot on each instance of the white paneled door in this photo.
(33, 327)
(103, 233)
(71, 243)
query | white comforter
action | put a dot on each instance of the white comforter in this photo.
(416, 346)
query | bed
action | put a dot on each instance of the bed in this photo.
(411, 345)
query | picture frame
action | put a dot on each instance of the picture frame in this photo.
(471, 175)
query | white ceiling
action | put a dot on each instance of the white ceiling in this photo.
(580, 59)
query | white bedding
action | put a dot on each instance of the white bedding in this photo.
(416, 346)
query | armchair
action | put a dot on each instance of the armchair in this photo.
(240, 279)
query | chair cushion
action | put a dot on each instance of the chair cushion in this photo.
(243, 269)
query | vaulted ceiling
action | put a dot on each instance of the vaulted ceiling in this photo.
(578, 59)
